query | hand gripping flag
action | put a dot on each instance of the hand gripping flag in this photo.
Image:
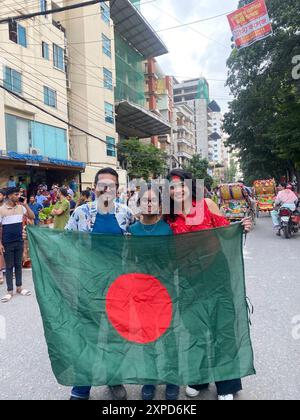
(143, 310)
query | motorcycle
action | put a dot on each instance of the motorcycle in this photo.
(289, 222)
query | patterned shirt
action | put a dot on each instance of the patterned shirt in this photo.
(84, 217)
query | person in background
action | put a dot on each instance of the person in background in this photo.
(61, 211)
(285, 198)
(53, 194)
(85, 197)
(2, 262)
(11, 240)
(11, 183)
(36, 208)
(23, 187)
(40, 197)
(73, 185)
(72, 204)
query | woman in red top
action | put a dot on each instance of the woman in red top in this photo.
(188, 215)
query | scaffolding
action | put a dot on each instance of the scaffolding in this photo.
(130, 83)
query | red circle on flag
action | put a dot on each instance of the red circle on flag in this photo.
(139, 307)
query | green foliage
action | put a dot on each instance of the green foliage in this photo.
(264, 118)
(140, 160)
(45, 213)
(199, 169)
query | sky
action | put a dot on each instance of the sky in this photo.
(196, 50)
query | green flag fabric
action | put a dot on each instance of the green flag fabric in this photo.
(143, 310)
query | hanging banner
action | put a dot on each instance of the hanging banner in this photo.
(249, 24)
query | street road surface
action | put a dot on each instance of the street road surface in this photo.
(273, 286)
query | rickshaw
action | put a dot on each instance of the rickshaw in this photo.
(265, 192)
(234, 202)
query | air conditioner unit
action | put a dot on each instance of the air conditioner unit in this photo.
(34, 151)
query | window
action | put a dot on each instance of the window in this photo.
(105, 12)
(108, 82)
(18, 134)
(12, 80)
(109, 113)
(45, 50)
(50, 97)
(58, 57)
(17, 33)
(43, 5)
(110, 146)
(106, 45)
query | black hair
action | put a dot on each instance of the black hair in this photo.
(284, 185)
(106, 171)
(64, 192)
(146, 187)
(183, 175)
(12, 190)
(86, 194)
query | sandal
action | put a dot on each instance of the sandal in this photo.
(24, 292)
(6, 298)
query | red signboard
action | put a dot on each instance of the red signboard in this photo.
(251, 23)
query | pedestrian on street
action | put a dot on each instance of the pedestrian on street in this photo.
(11, 241)
(85, 197)
(11, 182)
(36, 208)
(102, 216)
(61, 210)
(72, 204)
(2, 262)
(196, 216)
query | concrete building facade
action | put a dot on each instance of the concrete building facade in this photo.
(195, 93)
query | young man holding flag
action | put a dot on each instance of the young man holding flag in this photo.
(102, 216)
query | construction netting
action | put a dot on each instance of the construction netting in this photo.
(129, 73)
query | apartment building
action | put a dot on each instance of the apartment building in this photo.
(184, 138)
(34, 145)
(195, 93)
(84, 69)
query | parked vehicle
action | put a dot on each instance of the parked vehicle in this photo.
(234, 202)
(265, 192)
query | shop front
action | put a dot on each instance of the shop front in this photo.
(34, 170)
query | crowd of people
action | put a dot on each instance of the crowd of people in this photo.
(138, 212)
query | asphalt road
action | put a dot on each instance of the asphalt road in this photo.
(273, 285)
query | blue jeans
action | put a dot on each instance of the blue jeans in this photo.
(81, 392)
(275, 214)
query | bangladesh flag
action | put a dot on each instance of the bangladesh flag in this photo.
(143, 310)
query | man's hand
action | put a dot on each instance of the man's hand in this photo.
(2, 251)
(247, 224)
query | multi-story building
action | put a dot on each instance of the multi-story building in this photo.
(184, 139)
(195, 93)
(215, 132)
(84, 70)
(34, 140)
(159, 96)
(135, 43)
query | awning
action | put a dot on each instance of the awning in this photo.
(38, 161)
(132, 26)
(135, 121)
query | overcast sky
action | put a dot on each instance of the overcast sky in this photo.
(197, 50)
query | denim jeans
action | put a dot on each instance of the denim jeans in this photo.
(81, 392)
(275, 213)
(224, 387)
(13, 260)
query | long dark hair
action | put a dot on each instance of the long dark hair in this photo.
(183, 175)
